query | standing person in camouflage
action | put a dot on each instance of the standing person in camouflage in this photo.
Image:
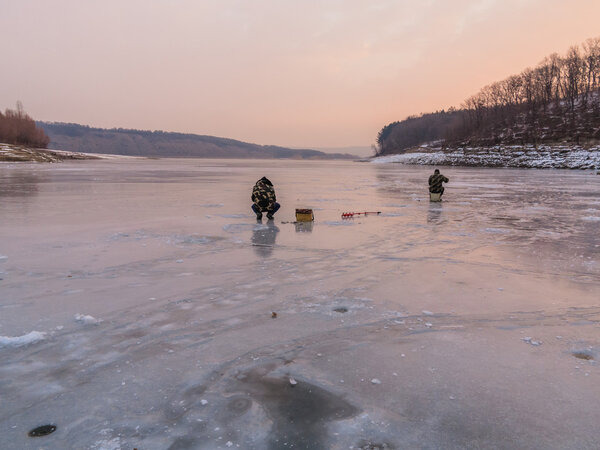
(263, 196)
(435, 182)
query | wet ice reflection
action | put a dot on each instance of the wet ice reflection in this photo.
(153, 288)
(263, 238)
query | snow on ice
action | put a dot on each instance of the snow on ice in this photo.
(20, 341)
(86, 319)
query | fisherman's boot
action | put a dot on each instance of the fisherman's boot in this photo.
(258, 212)
(270, 215)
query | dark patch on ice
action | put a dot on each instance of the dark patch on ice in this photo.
(183, 443)
(195, 391)
(341, 309)
(44, 430)
(300, 414)
(367, 445)
(583, 355)
(238, 405)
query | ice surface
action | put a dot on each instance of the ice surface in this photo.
(435, 301)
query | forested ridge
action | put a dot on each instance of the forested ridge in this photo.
(558, 101)
(119, 141)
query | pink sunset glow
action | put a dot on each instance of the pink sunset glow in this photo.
(309, 74)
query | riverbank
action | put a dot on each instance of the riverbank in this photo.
(556, 156)
(18, 153)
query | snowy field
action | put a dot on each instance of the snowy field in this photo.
(137, 300)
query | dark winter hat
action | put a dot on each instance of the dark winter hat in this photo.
(266, 181)
(436, 171)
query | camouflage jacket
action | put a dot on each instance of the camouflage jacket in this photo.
(263, 195)
(435, 182)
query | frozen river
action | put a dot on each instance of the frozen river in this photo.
(136, 301)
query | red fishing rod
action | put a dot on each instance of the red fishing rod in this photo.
(349, 215)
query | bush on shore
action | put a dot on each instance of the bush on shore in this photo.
(16, 127)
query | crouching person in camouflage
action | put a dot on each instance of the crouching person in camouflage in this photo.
(435, 182)
(263, 196)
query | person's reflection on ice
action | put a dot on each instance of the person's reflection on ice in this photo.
(263, 238)
(434, 215)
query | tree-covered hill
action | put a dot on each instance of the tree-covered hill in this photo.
(80, 138)
(558, 101)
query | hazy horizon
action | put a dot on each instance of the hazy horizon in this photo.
(322, 75)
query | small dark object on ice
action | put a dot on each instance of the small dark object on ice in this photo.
(273, 315)
(44, 430)
(365, 445)
(583, 355)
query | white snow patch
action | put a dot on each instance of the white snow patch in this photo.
(87, 320)
(112, 444)
(19, 341)
(529, 340)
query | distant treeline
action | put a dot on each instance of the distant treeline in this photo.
(557, 101)
(16, 127)
(119, 141)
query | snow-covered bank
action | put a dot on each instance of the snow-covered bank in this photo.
(18, 153)
(527, 156)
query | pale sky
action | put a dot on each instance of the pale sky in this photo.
(297, 73)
